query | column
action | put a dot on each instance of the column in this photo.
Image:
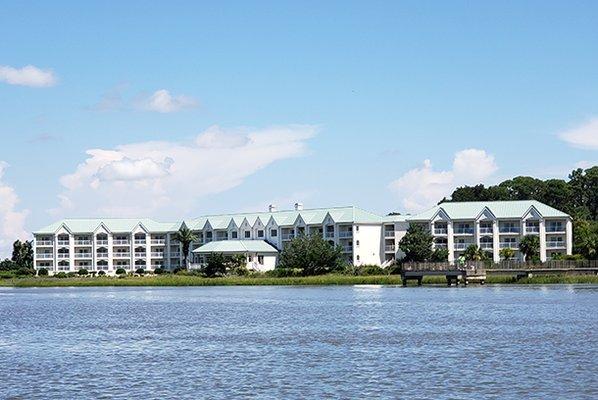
(450, 242)
(569, 236)
(495, 241)
(542, 234)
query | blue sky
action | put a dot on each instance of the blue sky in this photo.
(329, 103)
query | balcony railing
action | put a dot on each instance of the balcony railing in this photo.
(102, 242)
(440, 231)
(347, 249)
(329, 234)
(122, 255)
(509, 229)
(102, 255)
(532, 229)
(555, 228)
(121, 242)
(389, 248)
(486, 246)
(509, 245)
(157, 254)
(83, 242)
(44, 243)
(462, 246)
(158, 241)
(485, 230)
(221, 238)
(64, 242)
(64, 255)
(288, 236)
(82, 256)
(389, 234)
(555, 244)
(440, 245)
(463, 231)
(140, 254)
(140, 241)
(345, 234)
(175, 255)
(44, 256)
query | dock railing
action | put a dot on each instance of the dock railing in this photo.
(503, 265)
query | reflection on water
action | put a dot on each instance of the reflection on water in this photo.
(300, 342)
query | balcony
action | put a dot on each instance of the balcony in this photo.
(440, 231)
(221, 238)
(140, 241)
(121, 242)
(389, 234)
(487, 246)
(157, 254)
(440, 245)
(102, 242)
(140, 254)
(82, 256)
(288, 236)
(347, 249)
(509, 229)
(462, 246)
(532, 229)
(122, 255)
(40, 243)
(389, 248)
(44, 256)
(158, 241)
(345, 234)
(329, 234)
(463, 231)
(555, 229)
(102, 255)
(509, 245)
(556, 244)
(64, 255)
(175, 255)
(486, 230)
(64, 243)
(83, 242)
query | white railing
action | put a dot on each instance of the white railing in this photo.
(64, 255)
(140, 241)
(553, 229)
(345, 234)
(462, 246)
(121, 242)
(389, 234)
(102, 255)
(509, 245)
(532, 229)
(140, 254)
(347, 249)
(102, 242)
(44, 243)
(82, 242)
(122, 255)
(157, 255)
(64, 242)
(486, 246)
(79, 256)
(329, 234)
(464, 231)
(440, 231)
(175, 255)
(509, 229)
(555, 244)
(41, 256)
(440, 245)
(158, 241)
(288, 236)
(486, 230)
(389, 247)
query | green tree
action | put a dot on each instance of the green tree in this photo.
(22, 254)
(185, 237)
(237, 265)
(585, 239)
(530, 247)
(474, 253)
(416, 244)
(506, 253)
(216, 265)
(440, 255)
(312, 255)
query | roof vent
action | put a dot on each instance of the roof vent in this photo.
(298, 206)
(272, 208)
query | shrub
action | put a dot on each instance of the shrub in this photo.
(178, 269)
(120, 271)
(24, 271)
(7, 274)
(101, 273)
(83, 272)
(71, 274)
(60, 275)
(395, 269)
(159, 271)
(312, 255)
(140, 271)
(280, 272)
(42, 272)
(370, 270)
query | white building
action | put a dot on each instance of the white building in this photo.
(366, 238)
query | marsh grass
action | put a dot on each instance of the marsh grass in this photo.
(182, 280)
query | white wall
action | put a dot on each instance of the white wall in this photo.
(370, 246)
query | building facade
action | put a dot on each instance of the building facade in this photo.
(365, 238)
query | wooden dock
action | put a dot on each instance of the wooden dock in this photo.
(453, 274)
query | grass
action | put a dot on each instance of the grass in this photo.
(183, 280)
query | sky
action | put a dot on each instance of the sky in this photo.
(176, 109)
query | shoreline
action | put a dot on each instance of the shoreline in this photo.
(323, 280)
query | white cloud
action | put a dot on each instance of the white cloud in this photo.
(12, 222)
(584, 136)
(166, 179)
(162, 101)
(423, 187)
(27, 76)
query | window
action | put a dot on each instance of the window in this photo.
(357, 242)
(357, 257)
(247, 234)
(260, 233)
(234, 234)
(260, 260)
(357, 228)
(273, 232)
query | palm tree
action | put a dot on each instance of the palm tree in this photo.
(507, 253)
(474, 253)
(530, 247)
(185, 236)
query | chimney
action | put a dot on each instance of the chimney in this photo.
(298, 206)
(272, 208)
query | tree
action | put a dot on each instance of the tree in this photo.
(440, 255)
(312, 255)
(530, 247)
(215, 265)
(585, 240)
(506, 253)
(22, 254)
(185, 236)
(42, 272)
(83, 272)
(237, 265)
(474, 253)
(416, 244)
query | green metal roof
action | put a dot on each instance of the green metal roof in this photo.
(117, 225)
(236, 246)
(500, 209)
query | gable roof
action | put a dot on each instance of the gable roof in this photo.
(501, 209)
(117, 225)
(236, 246)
